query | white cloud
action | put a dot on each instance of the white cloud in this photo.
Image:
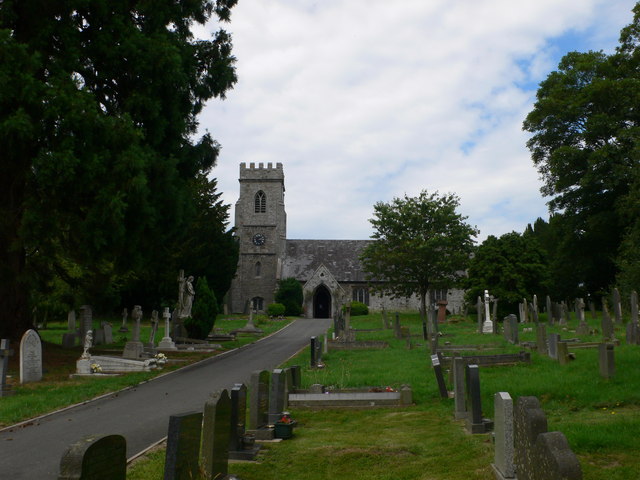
(366, 100)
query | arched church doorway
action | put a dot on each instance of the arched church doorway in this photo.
(322, 302)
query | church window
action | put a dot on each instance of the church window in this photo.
(439, 294)
(258, 269)
(361, 294)
(258, 303)
(260, 202)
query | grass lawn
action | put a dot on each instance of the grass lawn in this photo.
(58, 389)
(600, 418)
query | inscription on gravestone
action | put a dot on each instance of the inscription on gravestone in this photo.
(258, 399)
(30, 357)
(503, 466)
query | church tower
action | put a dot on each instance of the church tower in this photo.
(261, 229)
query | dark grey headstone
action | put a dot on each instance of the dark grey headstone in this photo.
(183, 446)
(96, 457)
(606, 323)
(296, 378)
(552, 342)
(460, 410)
(563, 353)
(5, 353)
(258, 399)
(503, 466)
(437, 370)
(473, 400)
(549, 309)
(277, 392)
(313, 352)
(541, 339)
(238, 416)
(215, 436)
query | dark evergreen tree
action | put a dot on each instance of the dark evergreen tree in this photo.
(290, 295)
(98, 114)
(203, 312)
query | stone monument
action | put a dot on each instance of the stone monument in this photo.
(166, 343)
(134, 348)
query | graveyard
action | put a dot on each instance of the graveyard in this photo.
(589, 411)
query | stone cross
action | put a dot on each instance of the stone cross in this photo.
(487, 326)
(583, 328)
(166, 343)
(154, 327)
(5, 353)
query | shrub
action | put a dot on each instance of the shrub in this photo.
(359, 308)
(203, 313)
(289, 294)
(275, 309)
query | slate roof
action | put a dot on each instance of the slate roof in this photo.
(341, 257)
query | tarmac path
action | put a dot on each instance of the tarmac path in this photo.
(141, 414)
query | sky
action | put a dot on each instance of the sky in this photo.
(367, 100)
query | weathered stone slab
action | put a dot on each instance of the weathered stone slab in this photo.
(216, 435)
(183, 446)
(30, 357)
(503, 466)
(96, 457)
(460, 407)
(606, 360)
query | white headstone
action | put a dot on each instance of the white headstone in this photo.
(30, 357)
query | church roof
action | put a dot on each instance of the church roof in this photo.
(341, 257)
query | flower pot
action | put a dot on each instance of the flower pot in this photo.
(283, 430)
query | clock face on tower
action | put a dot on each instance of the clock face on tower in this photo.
(259, 239)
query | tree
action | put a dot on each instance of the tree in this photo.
(586, 132)
(203, 312)
(98, 118)
(511, 267)
(290, 294)
(420, 243)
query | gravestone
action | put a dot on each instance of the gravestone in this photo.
(396, 326)
(563, 353)
(592, 309)
(215, 436)
(521, 312)
(437, 370)
(98, 336)
(583, 328)
(313, 351)
(123, 328)
(633, 333)
(606, 360)
(541, 339)
(154, 328)
(608, 331)
(549, 310)
(30, 357)
(552, 342)
(534, 308)
(487, 325)
(241, 445)
(5, 353)
(473, 400)
(134, 348)
(460, 407)
(540, 454)
(565, 315)
(525, 310)
(258, 399)
(479, 311)
(95, 457)
(385, 320)
(296, 377)
(617, 306)
(510, 329)
(503, 466)
(634, 307)
(108, 333)
(277, 395)
(166, 343)
(183, 446)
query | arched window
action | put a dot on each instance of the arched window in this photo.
(260, 202)
(258, 269)
(258, 303)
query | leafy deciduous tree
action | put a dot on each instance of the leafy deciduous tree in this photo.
(420, 243)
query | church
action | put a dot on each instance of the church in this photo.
(329, 271)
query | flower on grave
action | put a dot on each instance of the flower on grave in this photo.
(160, 358)
(96, 368)
(285, 418)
